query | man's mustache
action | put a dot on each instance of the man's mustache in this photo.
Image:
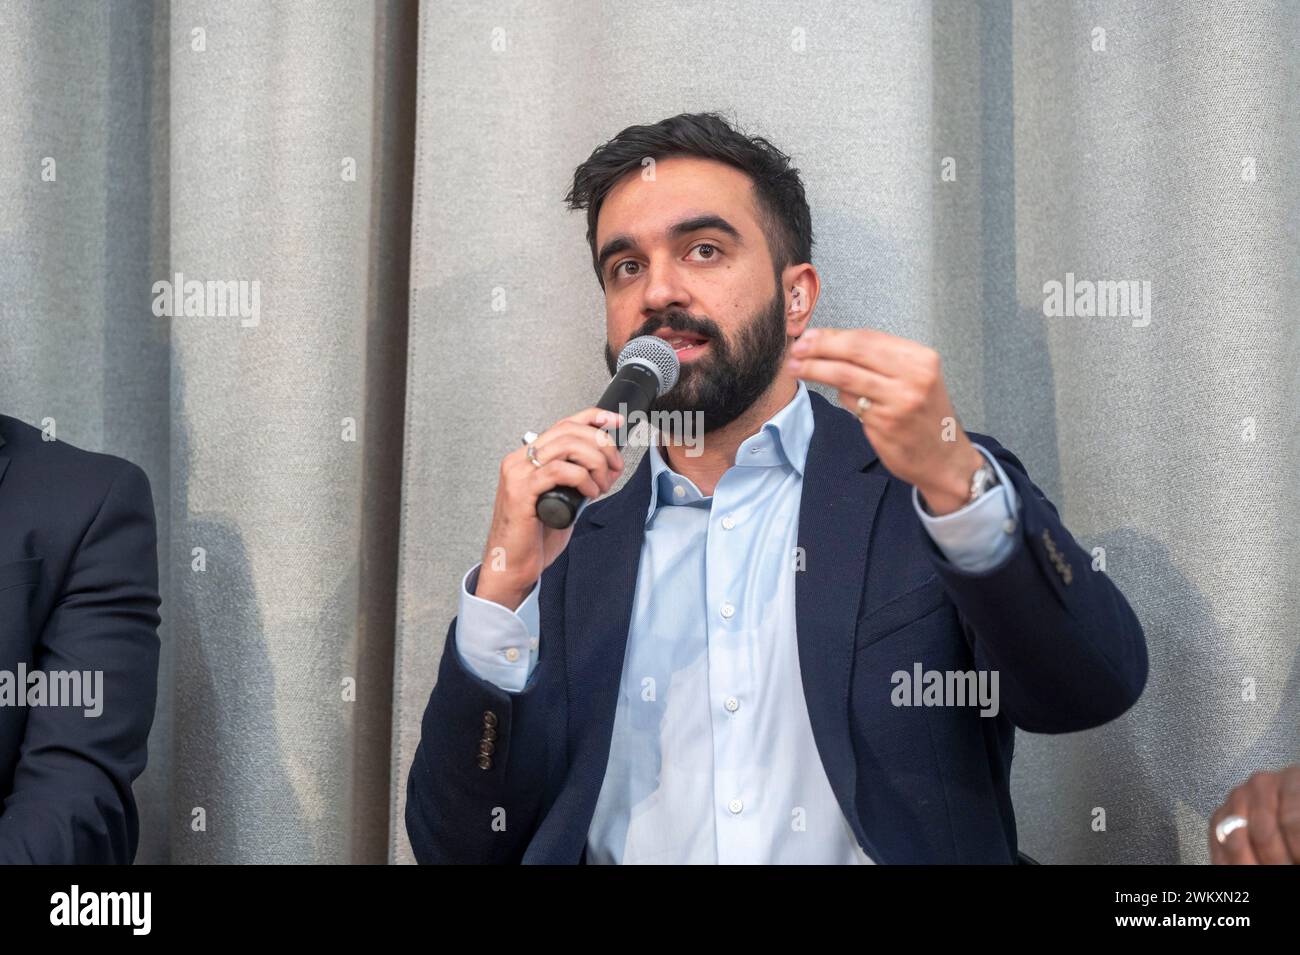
(680, 322)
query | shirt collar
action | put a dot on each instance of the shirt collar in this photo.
(783, 440)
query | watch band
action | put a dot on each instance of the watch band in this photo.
(984, 478)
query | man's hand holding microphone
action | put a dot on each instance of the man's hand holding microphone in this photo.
(575, 452)
(541, 486)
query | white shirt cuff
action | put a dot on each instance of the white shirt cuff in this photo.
(497, 644)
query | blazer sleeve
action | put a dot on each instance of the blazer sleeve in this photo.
(1068, 649)
(71, 800)
(471, 803)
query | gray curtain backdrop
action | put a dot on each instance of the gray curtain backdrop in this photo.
(391, 176)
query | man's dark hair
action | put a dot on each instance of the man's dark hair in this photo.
(779, 198)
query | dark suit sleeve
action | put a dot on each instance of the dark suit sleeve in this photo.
(1069, 651)
(458, 811)
(71, 800)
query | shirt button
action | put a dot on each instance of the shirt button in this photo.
(732, 704)
(1009, 526)
(728, 611)
(533, 643)
(755, 449)
(735, 806)
(728, 522)
(679, 491)
(512, 654)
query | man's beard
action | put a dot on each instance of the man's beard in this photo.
(723, 384)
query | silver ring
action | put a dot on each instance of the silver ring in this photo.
(1227, 827)
(528, 439)
(863, 404)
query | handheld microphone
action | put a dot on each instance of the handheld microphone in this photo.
(647, 367)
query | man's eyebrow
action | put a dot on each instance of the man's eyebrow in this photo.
(621, 243)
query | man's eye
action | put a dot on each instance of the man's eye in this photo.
(713, 250)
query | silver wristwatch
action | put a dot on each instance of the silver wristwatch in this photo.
(983, 479)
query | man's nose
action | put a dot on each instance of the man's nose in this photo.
(663, 289)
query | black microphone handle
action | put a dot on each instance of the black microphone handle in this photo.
(631, 390)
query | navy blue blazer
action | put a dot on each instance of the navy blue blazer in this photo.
(78, 592)
(918, 784)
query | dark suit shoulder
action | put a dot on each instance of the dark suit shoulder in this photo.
(46, 470)
(25, 442)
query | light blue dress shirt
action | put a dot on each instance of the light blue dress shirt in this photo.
(712, 758)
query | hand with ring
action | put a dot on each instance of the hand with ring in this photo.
(575, 452)
(896, 388)
(1259, 822)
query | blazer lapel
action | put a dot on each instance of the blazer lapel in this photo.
(836, 513)
(600, 584)
(599, 588)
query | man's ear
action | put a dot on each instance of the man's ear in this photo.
(797, 315)
(800, 285)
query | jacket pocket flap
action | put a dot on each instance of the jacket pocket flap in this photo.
(902, 610)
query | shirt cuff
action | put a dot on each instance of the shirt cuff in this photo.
(497, 644)
(980, 535)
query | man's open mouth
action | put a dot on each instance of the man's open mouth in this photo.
(682, 342)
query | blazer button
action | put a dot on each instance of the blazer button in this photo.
(485, 747)
(485, 762)
(489, 718)
(489, 733)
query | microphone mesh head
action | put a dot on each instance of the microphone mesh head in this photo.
(655, 354)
